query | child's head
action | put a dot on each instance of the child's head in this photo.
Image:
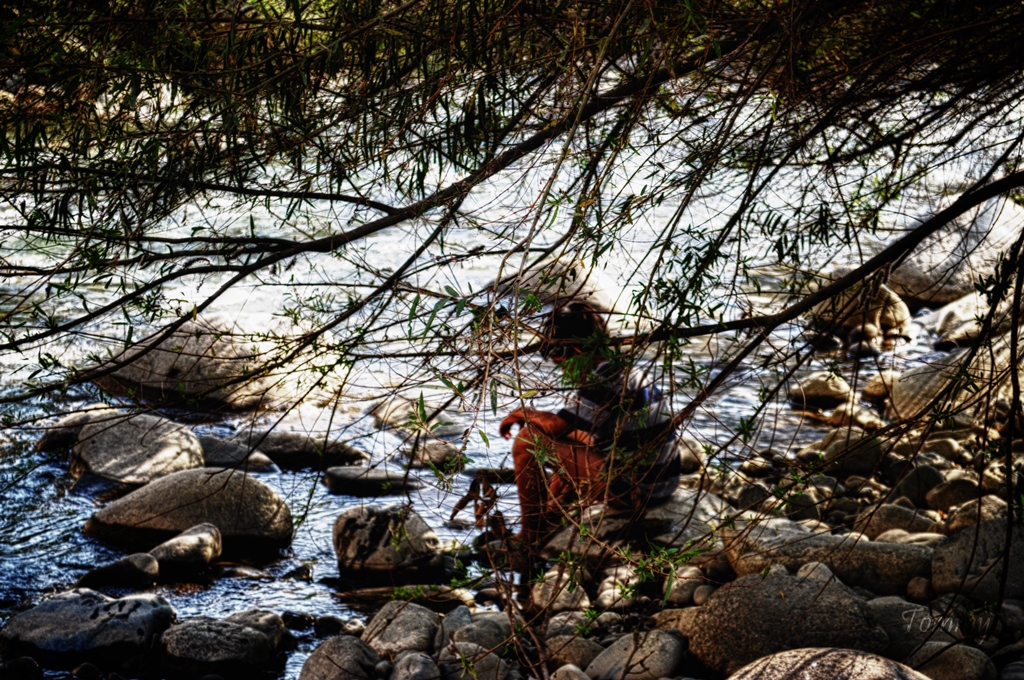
(571, 328)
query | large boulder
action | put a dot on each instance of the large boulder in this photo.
(203, 645)
(382, 539)
(856, 308)
(942, 661)
(820, 389)
(400, 627)
(571, 649)
(83, 624)
(230, 454)
(135, 450)
(640, 656)
(63, 434)
(948, 383)
(916, 484)
(250, 516)
(758, 614)
(972, 562)
(202, 363)
(883, 568)
(341, 658)
(300, 450)
(825, 664)
(976, 511)
(947, 264)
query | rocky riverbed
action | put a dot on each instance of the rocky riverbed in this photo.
(148, 545)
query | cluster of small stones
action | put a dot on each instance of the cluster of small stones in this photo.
(861, 556)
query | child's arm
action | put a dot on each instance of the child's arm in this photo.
(551, 424)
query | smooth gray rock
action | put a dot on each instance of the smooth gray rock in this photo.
(203, 645)
(560, 590)
(565, 623)
(685, 580)
(364, 481)
(691, 454)
(364, 540)
(135, 450)
(971, 562)
(301, 450)
(571, 650)
(454, 620)
(955, 491)
(83, 623)
(249, 515)
(189, 552)
(203, 363)
(908, 625)
(569, 672)
(825, 664)
(940, 661)
(640, 656)
(820, 389)
(1012, 671)
(139, 570)
(916, 484)
(874, 521)
(402, 626)
(489, 632)
(757, 615)
(851, 451)
(426, 450)
(973, 512)
(947, 264)
(466, 661)
(341, 658)
(415, 666)
(403, 412)
(883, 568)
(230, 454)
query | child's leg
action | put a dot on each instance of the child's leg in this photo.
(529, 450)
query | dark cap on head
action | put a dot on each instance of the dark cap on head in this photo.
(570, 327)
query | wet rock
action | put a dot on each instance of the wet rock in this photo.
(571, 649)
(229, 454)
(466, 661)
(940, 661)
(876, 520)
(682, 620)
(190, 552)
(973, 558)
(402, 626)
(415, 666)
(825, 664)
(268, 623)
(85, 624)
(1012, 671)
(204, 645)
(325, 626)
(852, 413)
(569, 672)
(298, 620)
(973, 512)
(745, 620)
(856, 310)
(923, 389)
(916, 484)
(364, 481)
(820, 389)
(203, 363)
(560, 590)
(955, 491)
(301, 450)
(685, 580)
(364, 540)
(136, 571)
(341, 658)
(63, 434)
(947, 264)
(640, 656)
(250, 516)
(691, 454)
(883, 568)
(135, 450)
(21, 668)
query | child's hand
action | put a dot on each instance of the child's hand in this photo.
(515, 418)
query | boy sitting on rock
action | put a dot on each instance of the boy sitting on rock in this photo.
(613, 442)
